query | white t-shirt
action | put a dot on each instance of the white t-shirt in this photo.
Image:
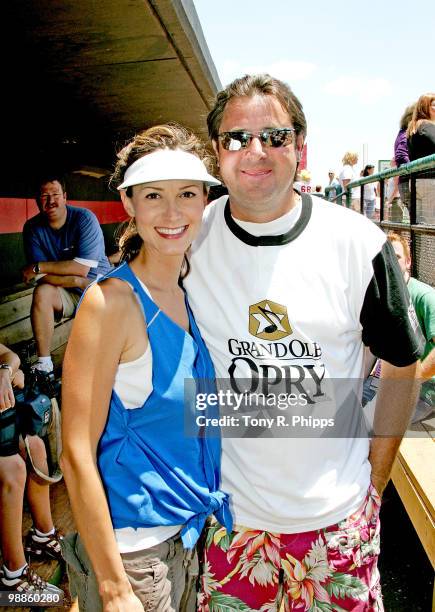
(348, 173)
(303, 186)
(369, 191)
(308, 273)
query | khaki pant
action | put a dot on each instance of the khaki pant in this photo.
(70, 299)
(162, 577)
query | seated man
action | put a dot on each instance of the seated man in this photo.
(65, 251)
(43, 539)
(423, 300)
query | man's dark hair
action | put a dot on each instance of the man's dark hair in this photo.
(257, 84)
(49, 178)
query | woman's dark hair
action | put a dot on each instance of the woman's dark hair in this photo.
(367, 168)
(167, 136)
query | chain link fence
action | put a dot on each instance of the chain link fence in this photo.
(406, 198)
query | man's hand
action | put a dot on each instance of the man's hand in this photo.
(28, 273)
(381, 470)
(428, 364)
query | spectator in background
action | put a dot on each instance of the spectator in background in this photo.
(370, 193)
(318, 191)
(43, 540)
(421, 142)
(65, 251)
(401, 154)
(423, 300)
(333, 188)
(396, 211)
(348, 174)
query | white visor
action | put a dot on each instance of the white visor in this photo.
(167, 164)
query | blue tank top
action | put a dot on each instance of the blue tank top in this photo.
(153, 473)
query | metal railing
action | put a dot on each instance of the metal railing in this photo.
(417, 203)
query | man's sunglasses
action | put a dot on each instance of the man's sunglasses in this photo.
(269, 137)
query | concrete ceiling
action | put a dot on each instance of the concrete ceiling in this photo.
(89, 73)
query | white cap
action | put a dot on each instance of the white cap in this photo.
(167, 164)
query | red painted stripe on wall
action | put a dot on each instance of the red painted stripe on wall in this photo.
(14, 212)
(106, 212)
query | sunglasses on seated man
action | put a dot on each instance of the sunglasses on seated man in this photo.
(269, 137)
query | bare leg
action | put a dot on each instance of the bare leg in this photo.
(12, 483)
(46, 301)
(38, 495)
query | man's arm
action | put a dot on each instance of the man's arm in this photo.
(68, 282)
(396, 399)
(57, 268)
(428, 364)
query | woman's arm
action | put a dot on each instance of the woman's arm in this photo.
(96, 344)
(9, 376)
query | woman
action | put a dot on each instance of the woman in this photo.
(421, 143)
(136, 480)
(43, 540)
(401, 153)
(370, 192)
(347, 175)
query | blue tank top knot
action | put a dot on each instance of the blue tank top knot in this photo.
(219, 506)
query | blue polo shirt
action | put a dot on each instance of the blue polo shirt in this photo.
(79, 237)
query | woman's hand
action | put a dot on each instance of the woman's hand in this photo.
(7, 399)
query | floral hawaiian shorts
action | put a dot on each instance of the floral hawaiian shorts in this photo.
(327, 570)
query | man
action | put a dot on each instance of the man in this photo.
(423, 300)
(333, 188)
(43, 540)
(287, 289)
(64, 249)
(318, 191)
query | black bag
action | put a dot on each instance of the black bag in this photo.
(9, 433)
(34, 412)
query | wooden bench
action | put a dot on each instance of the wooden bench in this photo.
(413, 476)
(16, 330)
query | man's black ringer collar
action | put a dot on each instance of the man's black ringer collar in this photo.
(256, 241)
